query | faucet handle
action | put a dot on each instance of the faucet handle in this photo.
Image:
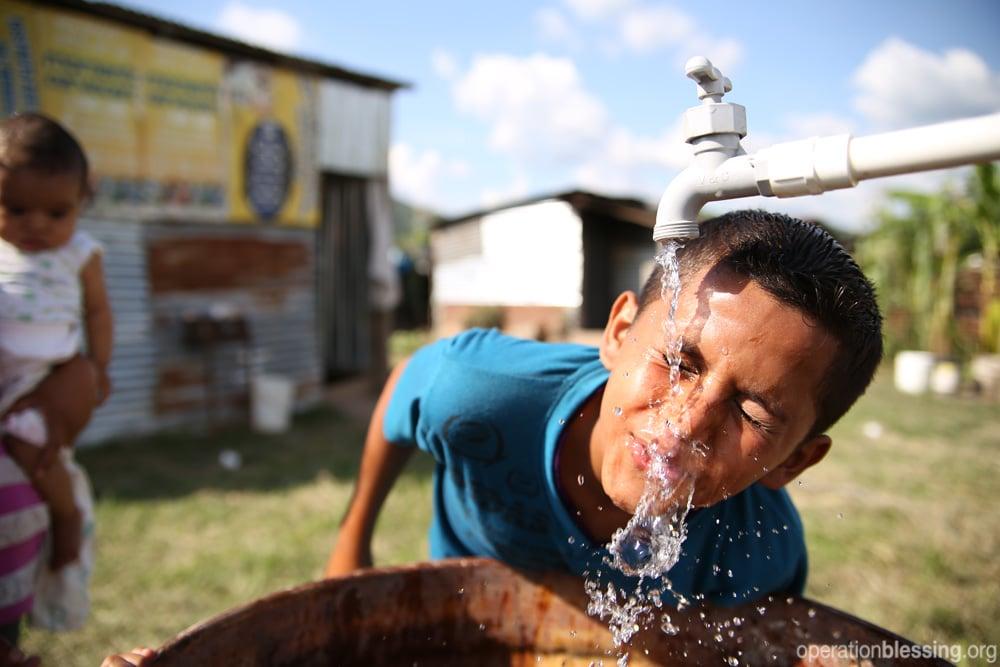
(711, 83)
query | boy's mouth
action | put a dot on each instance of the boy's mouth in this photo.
(664, 466)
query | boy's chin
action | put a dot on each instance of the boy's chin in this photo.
(628, 498)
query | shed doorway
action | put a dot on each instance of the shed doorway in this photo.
(342, 249)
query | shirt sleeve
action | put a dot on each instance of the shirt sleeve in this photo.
(402, 424)
(84, 246)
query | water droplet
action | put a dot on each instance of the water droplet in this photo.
(562, 421)
(840, 515)
(732, 661)
(482, 626)
(729, 573)
(617, 411)
(812, 613)
(761, 610)
(579, 480)
(717, 638)
(571, 540)
(461, 591)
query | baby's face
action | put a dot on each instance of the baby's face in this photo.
(750, 369)
(38, 210)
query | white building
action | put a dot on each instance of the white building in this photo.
(545, 267)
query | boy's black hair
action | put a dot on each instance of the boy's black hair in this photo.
(34, 141)
(803, 266)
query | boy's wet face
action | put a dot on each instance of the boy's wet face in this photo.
(750, 370)
(38, 210)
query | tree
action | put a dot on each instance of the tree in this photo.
(916, 252)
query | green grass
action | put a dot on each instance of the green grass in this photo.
(904, 531)
(181, 539)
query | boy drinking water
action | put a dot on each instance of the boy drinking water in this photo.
(543, 450)
(52, 295)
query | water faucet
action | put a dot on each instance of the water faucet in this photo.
(721, 169)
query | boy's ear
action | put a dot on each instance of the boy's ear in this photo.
(806, 455)
(623, 314)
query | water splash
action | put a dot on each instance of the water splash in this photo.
(649, 545)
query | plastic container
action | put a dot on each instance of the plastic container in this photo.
(946, 378)
(480, 612)
(912, 371)
(271, 401)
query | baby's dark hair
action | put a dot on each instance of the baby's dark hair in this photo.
(35, 141)
(803, 266)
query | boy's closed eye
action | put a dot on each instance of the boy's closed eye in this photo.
(754, 415)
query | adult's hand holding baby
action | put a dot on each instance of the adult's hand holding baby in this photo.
(66, 398)
(11, 656)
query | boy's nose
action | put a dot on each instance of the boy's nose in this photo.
(694, 417)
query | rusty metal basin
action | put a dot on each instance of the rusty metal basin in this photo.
(478, 611)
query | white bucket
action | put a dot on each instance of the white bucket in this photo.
(912, 371)
(271, 403)
(946, 378)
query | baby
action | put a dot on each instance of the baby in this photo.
(52, 295)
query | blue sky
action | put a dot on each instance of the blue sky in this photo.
(517, 98)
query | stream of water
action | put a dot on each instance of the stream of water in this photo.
(650, 544)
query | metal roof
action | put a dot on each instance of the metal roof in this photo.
(621, 208)
(176, 31)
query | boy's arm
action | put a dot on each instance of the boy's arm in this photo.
(381, 463)
(99, 325)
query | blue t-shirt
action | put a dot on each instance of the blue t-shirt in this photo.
(491, 409)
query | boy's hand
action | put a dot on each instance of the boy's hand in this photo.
(349, 555)
(134, 658)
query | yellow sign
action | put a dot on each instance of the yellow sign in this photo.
(171, 130)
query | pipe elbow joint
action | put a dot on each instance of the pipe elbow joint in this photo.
(677, 212)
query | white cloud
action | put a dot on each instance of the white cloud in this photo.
(418, 177)
(803, 126)
(266, 26)
(647, 28)
(539, 112)
(724, 53)
(537, 107)
(627, 164)
(650, 28)
(553, 26)
(444, 64)
(596, 9)
(516, 189)
(902, 85)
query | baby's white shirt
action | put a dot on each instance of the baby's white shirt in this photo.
(41, 298)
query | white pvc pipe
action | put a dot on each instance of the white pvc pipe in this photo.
(816, 165)
(925, 148)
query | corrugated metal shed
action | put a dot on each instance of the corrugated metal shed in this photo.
(160, 273)
(133, 366)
